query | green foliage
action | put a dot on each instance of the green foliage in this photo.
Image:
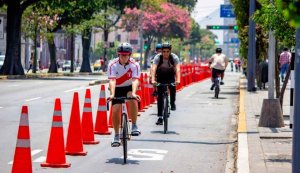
(291, 11)
(270, 18)
(189, 4)
(99, 51)
(195, 35)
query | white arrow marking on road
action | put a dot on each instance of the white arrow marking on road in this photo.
(36, 98)
(146, 154)
(33, 152)
(75, 89)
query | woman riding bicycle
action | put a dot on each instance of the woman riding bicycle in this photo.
(166, 69)
(123, 75)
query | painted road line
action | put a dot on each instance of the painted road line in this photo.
(40, 159)
(33, 152)
(74, 89)
(243, 153)
(36, 98)
(13, 85)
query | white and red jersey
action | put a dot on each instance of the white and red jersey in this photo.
(123, 73)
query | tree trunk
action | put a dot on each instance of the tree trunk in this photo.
(72, 53)
(12, 63)
(277, 79)
(52, 51)
(86, 43)
(104, 67)
(286, 79)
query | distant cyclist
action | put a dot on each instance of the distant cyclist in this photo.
(123, 75)
(166, 69)
(158, 50)
(218, 62)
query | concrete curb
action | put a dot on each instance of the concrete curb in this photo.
(96, 82)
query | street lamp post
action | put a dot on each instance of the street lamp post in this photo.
(251, 50)
(296, 126)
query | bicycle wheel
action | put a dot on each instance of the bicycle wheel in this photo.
(165, 114)
(124, 135)
(217, 88)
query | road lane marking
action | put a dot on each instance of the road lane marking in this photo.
(36, 98)
(74, 89)
(243, 153)
(40, 159)
(33, 152)
(146, 154)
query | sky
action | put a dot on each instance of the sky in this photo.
(205, 7)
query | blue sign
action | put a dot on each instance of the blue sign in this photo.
(227, 11)
(234, 40)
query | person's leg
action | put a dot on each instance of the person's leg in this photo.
(222, 72)
(159, 105)
(213, 76)
(172, 97)
(116, 117)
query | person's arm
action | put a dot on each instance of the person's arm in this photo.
(135, 84)
(112, 86)
(154, 67)
(177, 73)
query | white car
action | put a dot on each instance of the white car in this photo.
(2, 57)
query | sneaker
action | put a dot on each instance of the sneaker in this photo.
(116, 141)
(212, 87)
(159, 121)
(173, 107)
(135, 130)
(221, 83)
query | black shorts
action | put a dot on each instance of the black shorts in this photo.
(215, 72)
(121, 92)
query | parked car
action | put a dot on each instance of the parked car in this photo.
(97, 65)
(2, 57)
(66, 65)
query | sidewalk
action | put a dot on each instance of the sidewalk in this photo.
(269, 149)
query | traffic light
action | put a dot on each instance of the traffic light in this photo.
(145, 45)
(235, 27)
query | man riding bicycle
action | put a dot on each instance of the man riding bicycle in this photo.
(123, 75)
(166, 69)
(157, 51)
(218, 62)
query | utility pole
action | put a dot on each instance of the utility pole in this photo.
(141, 36)
(251, 50)
(296, 126)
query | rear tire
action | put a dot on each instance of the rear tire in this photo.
(217, 88)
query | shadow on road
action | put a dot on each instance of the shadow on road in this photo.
(121, 161)
(187, 142)
(168, 132)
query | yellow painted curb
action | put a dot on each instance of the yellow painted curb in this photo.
(242, 122)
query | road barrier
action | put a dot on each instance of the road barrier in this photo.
(56, 157)
(87, 120)
(22, 160)
(101, 125)
(74, 138)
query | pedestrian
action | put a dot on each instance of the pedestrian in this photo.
(263, 72)
(284, 60)
(231, 65)
(30, 62)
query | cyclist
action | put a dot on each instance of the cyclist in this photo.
(166, 69)
(123, 75)
(218, 62)
(157, 51)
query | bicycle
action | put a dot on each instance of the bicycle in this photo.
(166, 107)
(125, 125)
(217, 85)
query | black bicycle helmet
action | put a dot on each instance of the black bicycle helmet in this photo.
(166, 45)
(158, 46)
(219, 50)
(124, 48)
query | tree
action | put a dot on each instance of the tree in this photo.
(15, 8)
(170, 22)
(189, 4)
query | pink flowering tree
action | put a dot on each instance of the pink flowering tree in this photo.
(169, 21)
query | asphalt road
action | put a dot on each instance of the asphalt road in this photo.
(198, 139)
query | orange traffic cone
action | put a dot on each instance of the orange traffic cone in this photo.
(74, 139)
(87, 120)
(101, 126)
(22, 160)
(56, 157)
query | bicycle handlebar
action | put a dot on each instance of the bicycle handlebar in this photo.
(169, 84)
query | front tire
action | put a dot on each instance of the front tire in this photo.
(165, 114)
(124, 136)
